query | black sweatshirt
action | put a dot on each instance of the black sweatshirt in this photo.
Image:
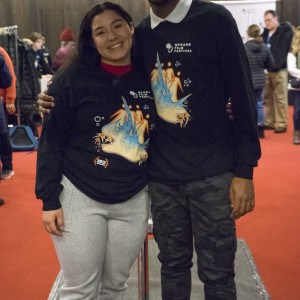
(280, 41)
(97, 135)
(195, 66)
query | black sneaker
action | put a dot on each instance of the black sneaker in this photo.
(6, 174)
(261, 132)
(1, 201)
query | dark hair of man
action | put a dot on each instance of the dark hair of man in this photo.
(87, 52)
(272, 12)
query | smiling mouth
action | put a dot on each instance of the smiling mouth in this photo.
(116, 46)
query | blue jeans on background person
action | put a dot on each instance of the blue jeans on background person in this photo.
(296, 117)
(295, 95)
(5, 143)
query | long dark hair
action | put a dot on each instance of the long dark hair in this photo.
(86, 51)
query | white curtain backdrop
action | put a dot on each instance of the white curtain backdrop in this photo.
(248, 12)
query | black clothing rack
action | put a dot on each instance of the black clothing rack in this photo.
(21, 136)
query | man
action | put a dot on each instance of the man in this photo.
(279, 38)
(198, 155)
(201, 161)
(8, 96)
(5, 81)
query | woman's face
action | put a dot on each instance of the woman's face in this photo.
(112, 37)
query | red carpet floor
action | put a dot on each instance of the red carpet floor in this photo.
(28, 265)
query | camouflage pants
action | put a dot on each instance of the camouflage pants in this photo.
(195, 214)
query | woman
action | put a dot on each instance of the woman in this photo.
(260, 58)
(8, 97)
(293, 62)
(92, 159)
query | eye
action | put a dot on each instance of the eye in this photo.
(118, 25)
(99, 33)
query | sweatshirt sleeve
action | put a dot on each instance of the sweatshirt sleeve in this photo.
(54, 138)
(238, 84)
(5, 75)
(10, 93)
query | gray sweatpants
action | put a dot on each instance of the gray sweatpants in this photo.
(99, 244)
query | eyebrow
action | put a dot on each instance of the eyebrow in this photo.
(115, 21)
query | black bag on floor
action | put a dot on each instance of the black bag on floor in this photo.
(22, 138)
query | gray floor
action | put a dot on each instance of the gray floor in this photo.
(248, 281)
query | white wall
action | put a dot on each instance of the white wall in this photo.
(248, 12)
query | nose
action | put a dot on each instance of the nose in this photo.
(111, 35)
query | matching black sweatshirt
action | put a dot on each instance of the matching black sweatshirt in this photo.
(97, 135)
(205, 57)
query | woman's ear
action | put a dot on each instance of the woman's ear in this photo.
(132, 28)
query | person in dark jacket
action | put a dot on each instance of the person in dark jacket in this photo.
(278, 37)
(293, 61)
(46, 52)
(260, 59)
(39, 61)
(8, 96)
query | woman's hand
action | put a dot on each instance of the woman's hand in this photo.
(54, 221)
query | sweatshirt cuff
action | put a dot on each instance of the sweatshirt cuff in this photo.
(243, 171)
(51, 204)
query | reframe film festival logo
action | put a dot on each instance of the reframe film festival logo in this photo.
(179, 47)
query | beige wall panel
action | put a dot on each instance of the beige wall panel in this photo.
(51, 16)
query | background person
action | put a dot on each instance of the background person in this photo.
(92, 167)
(260, 59)
(279, 38)
(46, 52)
(5, 81)
(39, 61)
(66, 47)
(8, 97)
(293, 62)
